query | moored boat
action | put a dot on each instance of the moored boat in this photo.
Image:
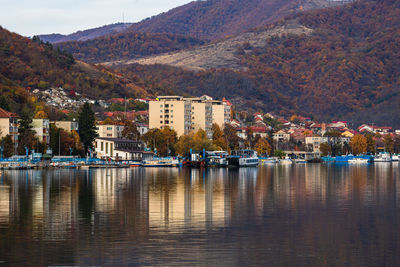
(358, 161)
(217, 158)
(161, 162)
(285, 161)
(383, 157)
(271, 160)
(243, 158)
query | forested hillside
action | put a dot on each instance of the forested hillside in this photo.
(348, 68)
(26, 64)
(127, 46)
(86, 34)
(215, 19)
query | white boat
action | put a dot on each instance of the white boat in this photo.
(395, 157)
(285, 161)
(272, 160)
(358, 161)
(243, 158)
(161, 162)
(383, 157)
(299, 161)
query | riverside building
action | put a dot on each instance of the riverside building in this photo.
(188, 114)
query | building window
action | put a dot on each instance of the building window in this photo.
(160, 122)
(161, 116)
(161, 106)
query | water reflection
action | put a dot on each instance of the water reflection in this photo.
(299, 214)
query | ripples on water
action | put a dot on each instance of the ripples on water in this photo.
(272, 215)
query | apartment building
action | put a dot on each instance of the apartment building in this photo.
(42, 129)
(109, 130)
(188, 114)
(8, 125)
(314, 142)
(67, 126)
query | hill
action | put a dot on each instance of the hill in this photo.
(347, 68)
(222, 54)
(127, 45)
(27, 64)
(86, 34)
(216, 19)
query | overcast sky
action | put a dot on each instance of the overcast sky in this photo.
(31, 17)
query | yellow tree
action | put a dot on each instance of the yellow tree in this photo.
(41, 115)
(358, 144)
(263, 147)
(218, 137)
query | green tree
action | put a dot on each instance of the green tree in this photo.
(4, 103)
(8, 146)
(26, 138)
(389, 143)
(397, 144)
(333, 133)
(371, 144)
(325, 149)
(279, 153)
(87, 127)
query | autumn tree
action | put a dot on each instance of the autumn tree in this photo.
(231, 137)
(218, 137)
(263, 147)
(130, 130)
(41, 115)
(195, 141)
(358, 144)
(163, 141)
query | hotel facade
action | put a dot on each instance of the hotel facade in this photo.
(188, 114)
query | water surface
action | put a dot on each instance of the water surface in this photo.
(311, 214)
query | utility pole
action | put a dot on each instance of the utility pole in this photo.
(59, 142)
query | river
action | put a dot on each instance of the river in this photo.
(311, 214)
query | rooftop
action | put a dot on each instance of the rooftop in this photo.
(118, 140)
(6, 114)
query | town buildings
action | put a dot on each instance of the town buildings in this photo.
(121, 149)
(8, 125)
(188, 114)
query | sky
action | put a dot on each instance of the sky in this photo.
(32, 17)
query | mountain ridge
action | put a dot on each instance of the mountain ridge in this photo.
(84, 35)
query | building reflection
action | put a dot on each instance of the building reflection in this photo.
(135, 202)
